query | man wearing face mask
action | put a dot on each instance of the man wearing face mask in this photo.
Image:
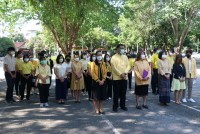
(154, 66)
(120, 68)
(9, 64)
(26, 70)
(191, 74)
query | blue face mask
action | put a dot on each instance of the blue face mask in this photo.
(43, 62)
(122, 51)
(158, 51)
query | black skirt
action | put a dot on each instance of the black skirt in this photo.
(99, 92)
(141, 90)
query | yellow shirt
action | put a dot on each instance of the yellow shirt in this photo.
(131, 62)
(120, 65)
(193, 67)
(26, 68)
(44, 72)
(34, 63)
(108, 67)
(139, 67)
(171, 61)
(18, 63)
(164, 67)
(95, 71)
(154, 61)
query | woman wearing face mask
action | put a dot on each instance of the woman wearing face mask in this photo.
(99, 73)
(77, 82)
(43, 74)
(90, 82)
(85, 71)
(178, 83)
(61, 79)
(164, 71)
(26, 70)
(108, 77)
(142, 79)
(68, 65)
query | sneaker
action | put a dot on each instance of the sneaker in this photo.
(41, 105)
(191, 100)
(184, 100)
(124, 108)
(46, 104)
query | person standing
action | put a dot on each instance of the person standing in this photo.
(85, 71)
(154, 65)
(61, 79)
(18, 59)
(191, 74)
(131, 62)
(68, 65)
(90, 82)
(9, 65)
(109, 84)
(26, 70)
(178, 82)
(142, 71)
(120, 67)
(99, 73)
(77, 82)
(43, 74)
(164, 71)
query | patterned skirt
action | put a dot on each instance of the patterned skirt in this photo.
(164, 89)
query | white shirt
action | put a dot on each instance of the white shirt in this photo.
(190, 66)
(68, 66)
(61, 70)
(10, 62)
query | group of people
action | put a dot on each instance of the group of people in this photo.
(101, 77)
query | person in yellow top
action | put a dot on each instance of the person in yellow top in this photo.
(191, 74)
(131, 62)
(142, 71)
(90, 83)
(171, 58)
(35, 64)
(99, 73)
(120, 68)
(26, 70)
(164, 71)
(43, 74)
(154, 66)
(108, 77)
(18, 60)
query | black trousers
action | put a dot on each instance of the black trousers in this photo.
(17, 84)
(109, 85)
(119, 91)
(171, 78)
(25, 83)
(154, 81)
(44, 92)
(89, 86)
(130, 80)
(10, 86)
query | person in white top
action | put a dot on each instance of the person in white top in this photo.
(61, 79)
(9, 64)
(68, 65)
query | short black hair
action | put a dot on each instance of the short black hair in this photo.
(68, 56)
(188, 51)
(58, 57)
(119, 45)
(177, 57)
(42, 58)
(25, 56)
(43, 51)
(10, 49)
(84, 53)
(160, 54)
(18, 53)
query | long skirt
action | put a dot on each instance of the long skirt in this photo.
(164, 89)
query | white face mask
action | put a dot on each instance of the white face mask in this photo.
(26, 59)
(12, 53)
(108, 58)
(164, 56)
(61, 60)
(93, 58)
(99, 58)
(31, 59)
(142, 56)
(84, 56)
(76, 59)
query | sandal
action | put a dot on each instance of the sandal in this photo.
(138, 107)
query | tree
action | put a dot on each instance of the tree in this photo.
(18, 37)
(5, 43)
